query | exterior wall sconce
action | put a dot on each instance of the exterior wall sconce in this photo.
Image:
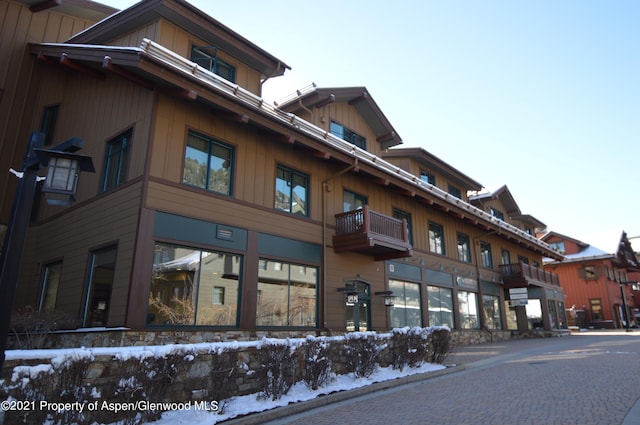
(63, 170)
(351, 294)
(389, 298)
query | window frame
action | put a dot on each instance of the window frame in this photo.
(46, 284)
(114, 177)
(436, 234)
(464, 249)
(48, 122)
(401, 214)
(211, 143)
(345, 133)
(486, 255)
(357, 199)
(290, 184)
(214, 62)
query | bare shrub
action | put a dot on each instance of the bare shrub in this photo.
(440, 345)
(410, 347)
(278, 370)
(224, 372)
(315, 356)
(32, 328)
(361, 353)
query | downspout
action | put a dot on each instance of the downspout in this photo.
(325, 185)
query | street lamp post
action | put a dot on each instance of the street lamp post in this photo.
(624, 305)
(13, 247)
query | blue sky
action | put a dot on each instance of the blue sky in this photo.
(543, 96)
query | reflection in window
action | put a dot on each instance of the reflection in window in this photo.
(208, 164)
(49, 288)
(287, 295)
(406, 311)
(194, 287)
(464, 248)
(291, 191)
(440, 306)
(436, 239)
(116, 160)
(491, 307)
(468, 309)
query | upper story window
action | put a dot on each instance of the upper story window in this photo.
(558, 246)
(436, 238)
(352, 201)
(207, 57)
(506, 256)
(399, 214)
(455, 192)
(208, 164)
(116, 160)
(485, 254)
(427, 177)
(48, 124)
(291, 191)
(350, 136)
(464, 248)
(497, 214)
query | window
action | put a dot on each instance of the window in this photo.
(288, 295)
(406, 311)
(497, 214)
(102, 267)
(468, 310)
(116, 160)
(436, 239)
(523, 259)
(491, 307)
(193, 287)
(352, 201)
(440, 306)
(350, 136)
(589, 273)
(291, 191)
(427, 177)
(48, 124)
(596, 309)
(506, 257)
(464, 248)
(207, 57)
(558, 246)
(485, 254)
(399, 214)
(455, 192)
(208, 164)
(49, 286)
(218, 295)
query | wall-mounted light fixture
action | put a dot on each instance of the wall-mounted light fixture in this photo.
(389, 298)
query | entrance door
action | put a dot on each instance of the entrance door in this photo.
(359, 314)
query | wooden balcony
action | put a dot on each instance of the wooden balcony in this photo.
(371, 233)
(521, 274)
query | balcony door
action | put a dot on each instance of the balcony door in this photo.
(358, 318)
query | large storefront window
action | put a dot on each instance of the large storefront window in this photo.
(440, 306)
(534, 314)
(287, 294)
(406, 311)
(194, 287)
(468, 309)
(491, 307)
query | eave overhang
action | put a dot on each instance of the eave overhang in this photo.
(433, 163)
(157, 68)
(358, 97)
(192, 20)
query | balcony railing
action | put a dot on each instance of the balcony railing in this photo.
(371, 233)
(522, 273)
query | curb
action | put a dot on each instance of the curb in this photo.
(326, 399)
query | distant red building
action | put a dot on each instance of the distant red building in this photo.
(599, 286)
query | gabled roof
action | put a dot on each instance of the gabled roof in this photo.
(549, 235)
(503, 195)
(358, 97)
(81, 8)
(192, 20)
(625, 256)
(434, 163)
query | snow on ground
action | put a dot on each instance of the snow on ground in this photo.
(196, 413)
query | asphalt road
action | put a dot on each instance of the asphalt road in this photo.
(590, 378)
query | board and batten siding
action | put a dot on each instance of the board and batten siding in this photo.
(109, 220)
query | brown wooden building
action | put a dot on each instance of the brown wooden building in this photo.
(212, 209)
(594, 281)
